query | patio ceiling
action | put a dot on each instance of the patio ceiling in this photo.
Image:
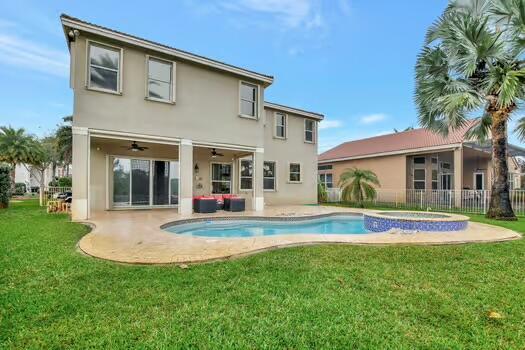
(513, 150)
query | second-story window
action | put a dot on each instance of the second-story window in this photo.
(248, 100)
(160, 80)
(280, 125)
(104, 68)
(309, 130)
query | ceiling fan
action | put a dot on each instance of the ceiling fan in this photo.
(135, 147)
(214, 153)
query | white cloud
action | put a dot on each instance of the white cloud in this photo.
(30, 55)
(330, 124)
(372, 118)
(293, 13)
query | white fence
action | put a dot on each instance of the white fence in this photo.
(50, 193)
(468, 201)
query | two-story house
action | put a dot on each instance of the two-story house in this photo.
(154, 126)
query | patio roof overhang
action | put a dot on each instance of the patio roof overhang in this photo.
(513, 150)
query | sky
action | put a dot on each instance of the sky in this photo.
(352, 60)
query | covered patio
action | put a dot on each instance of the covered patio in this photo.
(115, 172)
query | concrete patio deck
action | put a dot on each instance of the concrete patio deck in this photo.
(135, 236)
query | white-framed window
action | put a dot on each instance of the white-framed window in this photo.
(294, 172)
(281, 121)
(221, 178)
(435, 171)
(445, 167)
(249, 94)
(309, 131)
(269, 172)
(104, 67)
(419, 177)
(246, 174)
(160, 84)
(327, 180)
(419, 162)
(479, 181)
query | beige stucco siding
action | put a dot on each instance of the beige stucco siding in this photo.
(284, 151)
(206, 108)
(390, 170)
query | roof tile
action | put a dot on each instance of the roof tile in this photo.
(401, 141)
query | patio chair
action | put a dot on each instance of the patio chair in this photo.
(234, 204)
(204, 204)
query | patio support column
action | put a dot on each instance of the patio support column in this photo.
(80, 176)
(258, 185)
(458, 175)
(186, 177)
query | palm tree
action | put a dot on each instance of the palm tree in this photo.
(472, 63)
(358, 185)
(15, 147)
(64, 142)
(40, 157)
(409, 128)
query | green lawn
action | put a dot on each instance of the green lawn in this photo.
(335, 296)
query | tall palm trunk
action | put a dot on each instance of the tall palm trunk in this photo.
(13, 178)
(500, 207)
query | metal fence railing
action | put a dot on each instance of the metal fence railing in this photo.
(50, 193)
(467, 201)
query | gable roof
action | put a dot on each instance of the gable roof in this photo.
(301, 112)
(78, 24)
(396, 143)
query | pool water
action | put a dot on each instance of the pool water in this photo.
(252, 228)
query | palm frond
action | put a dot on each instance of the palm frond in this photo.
(519, 130)
(481, 130)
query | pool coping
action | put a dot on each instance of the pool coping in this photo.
(256, 218)
(137, 238)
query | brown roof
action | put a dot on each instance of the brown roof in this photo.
(397, 142)
(71, 18)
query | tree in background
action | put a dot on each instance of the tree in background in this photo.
(5, 185)
(473, 63)
(405, 129)
(64, 143)
(15, 146)
(358, 185)
(40, 158)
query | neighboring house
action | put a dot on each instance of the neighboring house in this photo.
(419, 160)
(154, 126)
(31, 178)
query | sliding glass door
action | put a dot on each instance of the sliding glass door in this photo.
(121, 182)
(145, 182)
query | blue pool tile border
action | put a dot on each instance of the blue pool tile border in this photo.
(377, 224)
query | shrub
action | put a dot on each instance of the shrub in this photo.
(64, 182)
(322, 195)
(60, 182)
(20, 188)
(5, 186)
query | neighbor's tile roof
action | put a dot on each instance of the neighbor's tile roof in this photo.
(401, 141)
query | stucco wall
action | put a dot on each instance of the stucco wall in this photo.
(206, 108)
(292, 149)
(390, 170)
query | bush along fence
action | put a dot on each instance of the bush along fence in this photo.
(466, 201)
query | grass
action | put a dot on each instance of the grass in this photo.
(331, 296)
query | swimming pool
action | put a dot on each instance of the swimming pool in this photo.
(253, 227)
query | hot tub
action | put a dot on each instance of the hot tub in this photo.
(414, 221)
